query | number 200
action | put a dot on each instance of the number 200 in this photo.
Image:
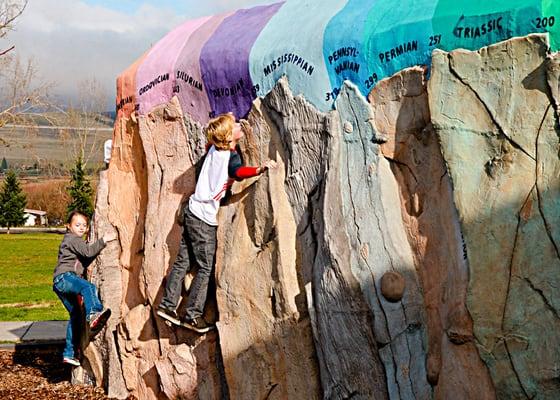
(546, 21)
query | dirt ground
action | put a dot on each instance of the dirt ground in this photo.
(39, 375)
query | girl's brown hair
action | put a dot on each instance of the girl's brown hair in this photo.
(219, 131)
(73, 213)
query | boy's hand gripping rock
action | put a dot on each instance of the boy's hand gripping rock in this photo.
(269, 164)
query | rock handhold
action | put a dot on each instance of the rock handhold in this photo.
(433, 365)
(460, 328)
(392, 286)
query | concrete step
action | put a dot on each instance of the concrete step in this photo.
(32, 333)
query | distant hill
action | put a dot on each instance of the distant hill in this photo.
(69, 118)
(47, 142)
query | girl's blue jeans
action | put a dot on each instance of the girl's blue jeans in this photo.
(68, 286)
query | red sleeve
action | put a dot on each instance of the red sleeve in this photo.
(246, 172)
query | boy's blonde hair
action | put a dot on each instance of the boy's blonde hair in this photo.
(219, 131)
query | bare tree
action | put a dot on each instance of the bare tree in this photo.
(87, 127)
(15, 78)
(24, 102)
(22, 91)
(10, 10)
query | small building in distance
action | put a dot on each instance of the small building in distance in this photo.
(35, 217)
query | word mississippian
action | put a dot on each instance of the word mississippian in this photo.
(473, 32)
(153, 83)
(398, 51)
(289, 58)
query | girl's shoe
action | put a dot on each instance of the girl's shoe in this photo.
(71, 360)
(97, 321)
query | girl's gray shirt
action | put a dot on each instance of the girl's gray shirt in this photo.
(74, 254)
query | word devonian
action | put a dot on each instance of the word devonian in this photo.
(233, 90)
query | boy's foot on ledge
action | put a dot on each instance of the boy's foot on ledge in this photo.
(198, 325)
(71, 360)
(168, 314)
(97, 321)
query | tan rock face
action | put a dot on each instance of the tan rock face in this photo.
(151, 173)
(264, 325)
(499, 136)
(400, 106)
(404, 248)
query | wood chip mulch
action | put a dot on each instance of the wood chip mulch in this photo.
(38, 375)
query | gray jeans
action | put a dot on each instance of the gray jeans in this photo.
(198, 244)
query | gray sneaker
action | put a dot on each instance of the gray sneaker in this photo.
(197, 324)
(169, 315)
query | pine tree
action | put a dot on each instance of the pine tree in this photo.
(12, 202)
(4, 165)
(80, 190)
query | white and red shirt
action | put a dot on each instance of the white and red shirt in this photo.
(219, 169)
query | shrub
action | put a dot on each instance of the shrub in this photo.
(80, 190)
(50, 196)
(12, 202)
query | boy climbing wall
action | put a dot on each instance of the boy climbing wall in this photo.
(222, 165)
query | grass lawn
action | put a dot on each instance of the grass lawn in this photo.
(27, 261)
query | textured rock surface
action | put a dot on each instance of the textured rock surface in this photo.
(150, 173)
(264, 324)
(376, 243)
(452, 184)
(401, 113)
(498, 130)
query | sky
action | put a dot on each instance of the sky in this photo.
(73, 41)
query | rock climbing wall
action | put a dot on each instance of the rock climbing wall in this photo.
(406, 247)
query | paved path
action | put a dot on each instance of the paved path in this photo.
(38, 332)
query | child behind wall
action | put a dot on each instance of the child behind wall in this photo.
(74, 256)
(222, 165)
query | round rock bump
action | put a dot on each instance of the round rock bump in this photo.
(392, 286)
